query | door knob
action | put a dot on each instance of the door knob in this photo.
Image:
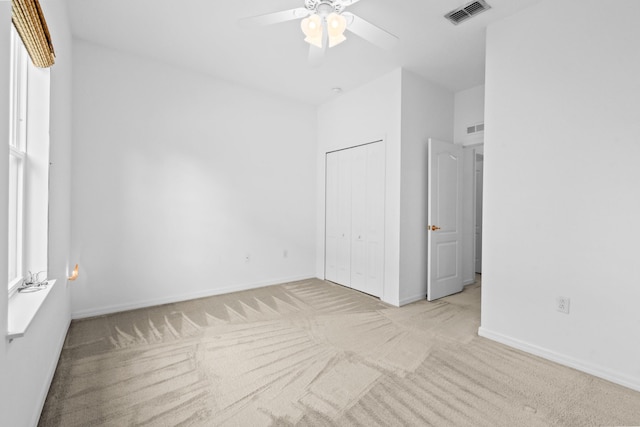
(433, 227)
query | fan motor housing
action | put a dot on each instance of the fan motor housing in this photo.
(324, 7)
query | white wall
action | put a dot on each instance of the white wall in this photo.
(27, 364)
(561, 197)
(177, 177)
(5, 46)
(60, 125)
(427, 112)
(469, 111)
(366, 114)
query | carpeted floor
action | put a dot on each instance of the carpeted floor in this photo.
(312, 353)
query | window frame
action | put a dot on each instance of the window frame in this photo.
(17, 159)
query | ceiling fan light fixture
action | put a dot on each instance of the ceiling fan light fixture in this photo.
(312, 28)
(324, 23)
(316, 41)
(336, 24)
(334, 41)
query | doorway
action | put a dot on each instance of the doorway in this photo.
(473, 211)
(479, 170)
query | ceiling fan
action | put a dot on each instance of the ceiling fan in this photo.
(324, 23)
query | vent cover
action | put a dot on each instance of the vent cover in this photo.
(475, 129)
(465, 12)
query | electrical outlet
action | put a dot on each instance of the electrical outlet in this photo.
(562, 304)
(247, 258)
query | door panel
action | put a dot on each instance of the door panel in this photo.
(374, 222)
(445, 220)
(343, 275)
(331, 218)
(446, 255)
(358, 217)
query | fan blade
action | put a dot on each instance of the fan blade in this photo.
(370, 32)
(275, 18)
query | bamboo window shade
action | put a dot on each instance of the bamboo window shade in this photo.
(29, 21)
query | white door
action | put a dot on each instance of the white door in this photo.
(374, 221)
(343, 264)
(338, 218)
(354, 248)
(367, 232)
(444, 274)
(358, 215)
(331, 218)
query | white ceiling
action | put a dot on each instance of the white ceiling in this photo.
(204, 35)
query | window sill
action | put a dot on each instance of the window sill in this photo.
(23, 307)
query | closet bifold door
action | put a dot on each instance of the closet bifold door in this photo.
(331, 218)
(367, 218)
(358, 218)
(354, 240)
(374, 219)
(338, 218)
(344, 217)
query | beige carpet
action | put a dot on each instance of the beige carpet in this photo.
(314, 353)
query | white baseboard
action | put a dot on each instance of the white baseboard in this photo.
(415, 298)
(580, 365)
(100, 311)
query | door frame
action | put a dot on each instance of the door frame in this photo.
(476, 148)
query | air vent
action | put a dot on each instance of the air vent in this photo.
(475, 129)
(465, 12)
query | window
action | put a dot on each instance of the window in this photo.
(17, 158)
(28, 166)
